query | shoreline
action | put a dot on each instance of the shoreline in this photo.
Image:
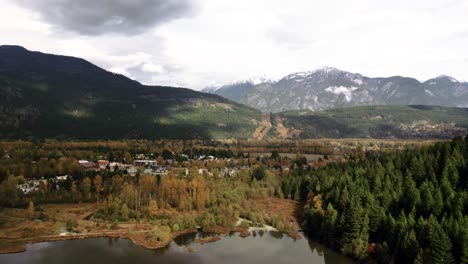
(139, 238)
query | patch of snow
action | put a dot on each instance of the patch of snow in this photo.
(298, 75)
(429, 93)
(432, 83)
(347, 91)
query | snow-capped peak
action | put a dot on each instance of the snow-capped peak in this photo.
(327, 69)
(320, 71)
(260, 79)
(252, 80)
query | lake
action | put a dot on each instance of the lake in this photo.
(264, 247)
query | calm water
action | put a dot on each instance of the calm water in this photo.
(267, 247)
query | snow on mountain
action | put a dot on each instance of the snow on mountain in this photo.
(329, 87)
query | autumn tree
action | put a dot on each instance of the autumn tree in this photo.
(97, 185)
(87, 188)
(31, 209)
(124, 212)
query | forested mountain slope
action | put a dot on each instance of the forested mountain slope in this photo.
(51, 96)
(372, 122)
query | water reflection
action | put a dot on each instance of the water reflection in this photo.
(186, 239)
(277, 235)
(263, 247)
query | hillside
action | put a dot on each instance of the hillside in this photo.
(330, 88)
(372, 122)
(51, 96)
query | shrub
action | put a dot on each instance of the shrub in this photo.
(175, 227)
(71, 225)
(244, 224)
(162, 234)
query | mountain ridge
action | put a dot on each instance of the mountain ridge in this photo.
(329, 87)
(55, 96)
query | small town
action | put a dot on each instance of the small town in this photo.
(180, 165)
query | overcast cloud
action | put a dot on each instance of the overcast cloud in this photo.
(97, 17)
(208, 42)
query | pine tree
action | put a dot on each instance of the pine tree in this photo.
(329, 224)
(408, 247)
(438, 203)
(440, 244)
(354, 225)
(464, 245)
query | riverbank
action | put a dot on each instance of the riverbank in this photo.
(17, 229)
(142, 238)
(139, 238)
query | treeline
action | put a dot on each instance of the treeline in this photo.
(400, 207)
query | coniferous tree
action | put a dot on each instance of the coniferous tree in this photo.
(440, 244)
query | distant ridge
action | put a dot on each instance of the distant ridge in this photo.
(329, 88)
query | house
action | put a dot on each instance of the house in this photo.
(102, 164)
(88, 165)
(145, 162)
(62, 178)
(115, 166)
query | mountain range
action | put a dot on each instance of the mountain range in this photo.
(329, 88)
(61, 97)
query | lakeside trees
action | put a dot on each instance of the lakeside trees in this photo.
(412, 205)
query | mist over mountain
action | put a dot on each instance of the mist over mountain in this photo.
(329, 88)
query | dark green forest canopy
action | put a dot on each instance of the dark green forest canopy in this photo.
(412, 205)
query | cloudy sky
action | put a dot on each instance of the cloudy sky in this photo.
(210, 42)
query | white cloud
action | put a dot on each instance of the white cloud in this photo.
(228, 40)
(149, 67)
